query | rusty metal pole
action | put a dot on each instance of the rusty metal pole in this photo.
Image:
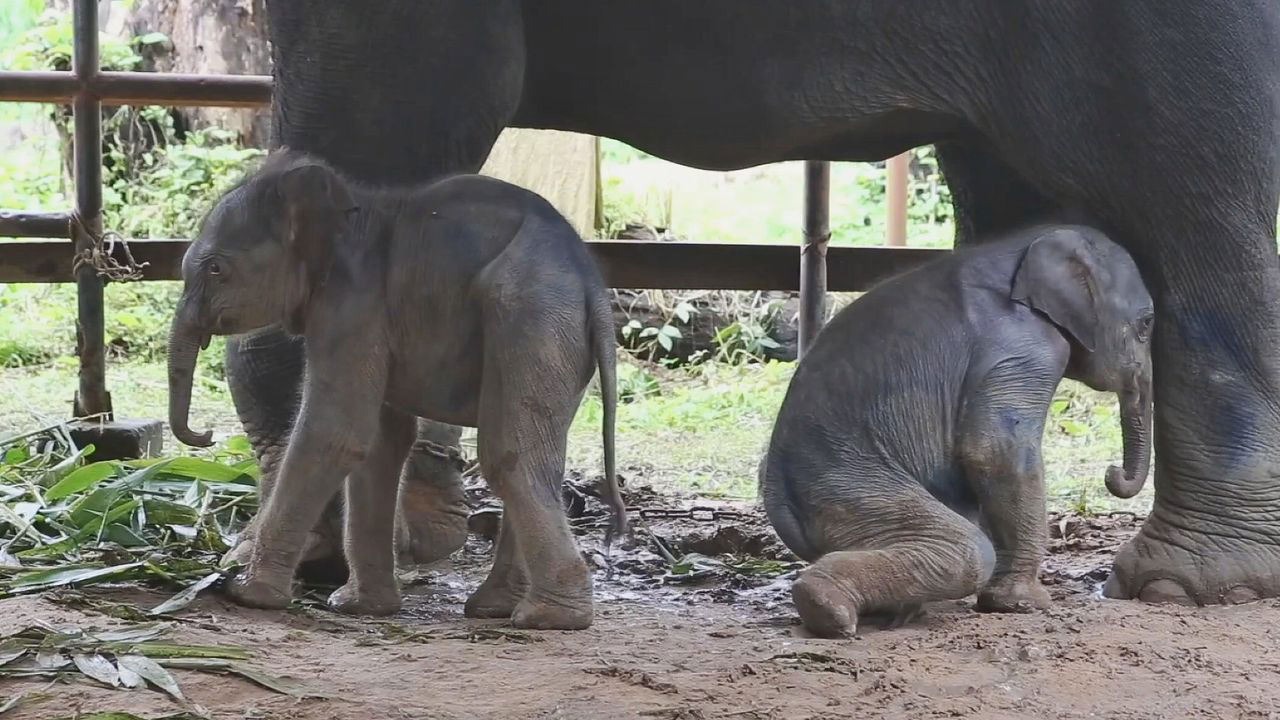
(813, 253)
(896, 190)
(92, 397)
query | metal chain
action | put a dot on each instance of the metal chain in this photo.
(100, 255)
(450, 453)
(696, 514)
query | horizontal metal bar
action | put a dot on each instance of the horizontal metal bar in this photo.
(625, 264)
(139, 88)
(19, 224)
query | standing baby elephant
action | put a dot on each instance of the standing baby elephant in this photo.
(471, 302)
(905, 461)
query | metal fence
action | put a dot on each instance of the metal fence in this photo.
(664, 265)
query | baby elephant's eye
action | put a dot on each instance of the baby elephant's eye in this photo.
(1145, 323)
(215, 268)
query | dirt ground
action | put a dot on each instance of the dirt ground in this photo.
(712, 643)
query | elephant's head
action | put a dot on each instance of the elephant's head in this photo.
(260, 253)
(1090, 289)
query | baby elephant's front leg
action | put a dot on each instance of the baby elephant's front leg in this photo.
(1000, 450)
(370, 530)
(332, 435)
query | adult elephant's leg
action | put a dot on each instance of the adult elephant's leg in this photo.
(388, 112)
(988, 196)
(264, 374)
(1182, 168)
(433, 509)
(1213, 535)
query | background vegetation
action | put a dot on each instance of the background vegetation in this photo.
(699, 427)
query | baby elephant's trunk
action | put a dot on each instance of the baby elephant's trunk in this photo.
(185, 341)
(1135, 427)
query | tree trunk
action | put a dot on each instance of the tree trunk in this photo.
(210, 37)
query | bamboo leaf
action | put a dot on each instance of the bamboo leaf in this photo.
(186, 597)
(97, 667)
(41, 580)
(129, 678)
(283, 685)
(80, 479)
(213, 652)
(150, 671)
(13, 702)
(50, 659)
(165, 512)
(67, 466)
(133, 633)
(11, 650)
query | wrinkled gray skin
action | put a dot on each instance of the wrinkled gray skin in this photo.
(1158, 118)
(908, 468)
(263, 372)
(471, 302)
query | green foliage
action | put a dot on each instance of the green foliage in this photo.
(745, 340)
(166, 194)
(164, 522)
(47, 46)
(649, 342)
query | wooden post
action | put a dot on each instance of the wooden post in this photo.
(896, 190)
(813, 253)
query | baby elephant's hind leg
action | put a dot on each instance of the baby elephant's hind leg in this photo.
(916, 551)
(507, 582)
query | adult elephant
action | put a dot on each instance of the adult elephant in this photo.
(1156, 118)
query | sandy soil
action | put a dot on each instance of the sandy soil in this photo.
(721, 645)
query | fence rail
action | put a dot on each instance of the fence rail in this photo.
(87, 88)
(625, 264)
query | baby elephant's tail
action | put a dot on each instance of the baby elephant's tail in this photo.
(605, 349)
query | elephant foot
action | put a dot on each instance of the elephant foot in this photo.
(1153, 570)
(251, 590)
(560, 613)
(1013, 595)
(351, 600)
(496, 600)
(434, 522)
(826, 609)
(238, 555)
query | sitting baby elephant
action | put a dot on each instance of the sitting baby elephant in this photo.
(905, 461)
(470, 301)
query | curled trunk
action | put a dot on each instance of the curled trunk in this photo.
(185, 341)
(1135, 427)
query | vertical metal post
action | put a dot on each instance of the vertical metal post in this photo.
(92, 397)
(813, 253)
(896, 190)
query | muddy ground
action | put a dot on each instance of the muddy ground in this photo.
(708, 641)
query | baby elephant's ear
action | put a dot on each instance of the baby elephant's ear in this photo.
(1057, 278)
(316, 202)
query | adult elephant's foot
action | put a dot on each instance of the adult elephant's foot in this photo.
(1163, 564)
(1013, 595)
(826, 607)
(497, 597)
(353, 600)
(545, 611)
(433, 508)
(259, 590)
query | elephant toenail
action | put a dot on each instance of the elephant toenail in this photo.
(1165, 592)
(1240, 594)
